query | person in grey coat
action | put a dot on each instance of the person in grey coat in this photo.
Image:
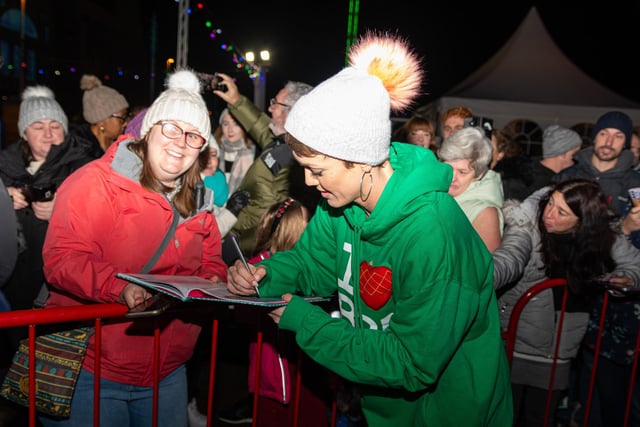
(561, 231)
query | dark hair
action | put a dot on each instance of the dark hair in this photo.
(183, 200)
(415, 122)
(589, 253)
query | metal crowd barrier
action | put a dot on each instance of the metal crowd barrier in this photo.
(510, 334)
(100, 312)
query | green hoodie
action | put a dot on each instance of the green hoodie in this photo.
(419, 329)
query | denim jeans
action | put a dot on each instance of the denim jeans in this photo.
(123, 405)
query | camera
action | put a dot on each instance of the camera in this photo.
(34, 193)
(211, 82)
(484, 123)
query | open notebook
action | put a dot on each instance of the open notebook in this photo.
(194, 288)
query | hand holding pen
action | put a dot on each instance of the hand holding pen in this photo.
(241, 278)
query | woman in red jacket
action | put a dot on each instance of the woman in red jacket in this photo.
(110, 217)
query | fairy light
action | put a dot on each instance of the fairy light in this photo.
(237, 57)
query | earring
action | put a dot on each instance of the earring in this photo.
(101, 128)
(363, 196)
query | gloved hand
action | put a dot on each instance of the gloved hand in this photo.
(237, 201)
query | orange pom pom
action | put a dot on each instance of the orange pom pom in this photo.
(390, 58)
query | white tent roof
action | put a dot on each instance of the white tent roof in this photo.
(531, 78)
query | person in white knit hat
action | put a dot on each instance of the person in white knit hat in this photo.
(418, 325)
(32, 169)
(112, 216)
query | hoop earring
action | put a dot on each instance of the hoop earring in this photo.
(363, 196)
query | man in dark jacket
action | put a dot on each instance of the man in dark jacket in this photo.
(559, 145)
(268, 180)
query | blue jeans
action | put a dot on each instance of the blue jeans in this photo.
(123, 405)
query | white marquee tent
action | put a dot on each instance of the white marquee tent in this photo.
(531, 78)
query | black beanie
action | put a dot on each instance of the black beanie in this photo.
(616, 120)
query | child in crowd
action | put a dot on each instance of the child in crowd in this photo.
(279, 229)
(211, 174)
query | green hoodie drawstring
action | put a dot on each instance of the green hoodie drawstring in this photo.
(355, 274)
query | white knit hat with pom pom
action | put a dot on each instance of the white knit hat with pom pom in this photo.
(38, 103)
(347, 115)
(181, 101)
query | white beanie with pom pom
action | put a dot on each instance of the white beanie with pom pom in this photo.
(38, 103)
(348, 115)
(180, 101)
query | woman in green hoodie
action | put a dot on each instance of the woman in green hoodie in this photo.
(419, 330)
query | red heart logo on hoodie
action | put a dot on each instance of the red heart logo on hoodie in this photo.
(375, 285)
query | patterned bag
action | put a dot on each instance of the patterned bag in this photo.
(58, 359)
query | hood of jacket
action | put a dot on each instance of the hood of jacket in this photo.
(403, 194)
(583, 161)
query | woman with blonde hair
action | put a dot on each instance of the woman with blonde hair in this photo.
(237, 149)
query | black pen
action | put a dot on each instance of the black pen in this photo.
(242, 258)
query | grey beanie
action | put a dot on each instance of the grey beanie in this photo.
(38, 103)
(99, 101)
(558, 140)
(615, 120)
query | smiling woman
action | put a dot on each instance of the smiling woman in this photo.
(32, 169)
(136, 190)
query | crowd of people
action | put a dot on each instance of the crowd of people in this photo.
(427, 228)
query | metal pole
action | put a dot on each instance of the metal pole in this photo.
(22, 68)
(183, 34)
(260, 88)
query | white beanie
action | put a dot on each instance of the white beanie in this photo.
(181, 101)
(347, 115)
(38, 103)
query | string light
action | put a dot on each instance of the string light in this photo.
(237, 57)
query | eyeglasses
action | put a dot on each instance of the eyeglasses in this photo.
(274, 101)
(121, 118)
(173, 131)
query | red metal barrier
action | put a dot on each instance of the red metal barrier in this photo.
(510, 334)
(100, 312)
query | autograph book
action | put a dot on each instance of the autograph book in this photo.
(194, 288)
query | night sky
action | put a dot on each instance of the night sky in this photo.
(307, 40)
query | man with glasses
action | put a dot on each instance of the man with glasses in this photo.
(269, 177)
